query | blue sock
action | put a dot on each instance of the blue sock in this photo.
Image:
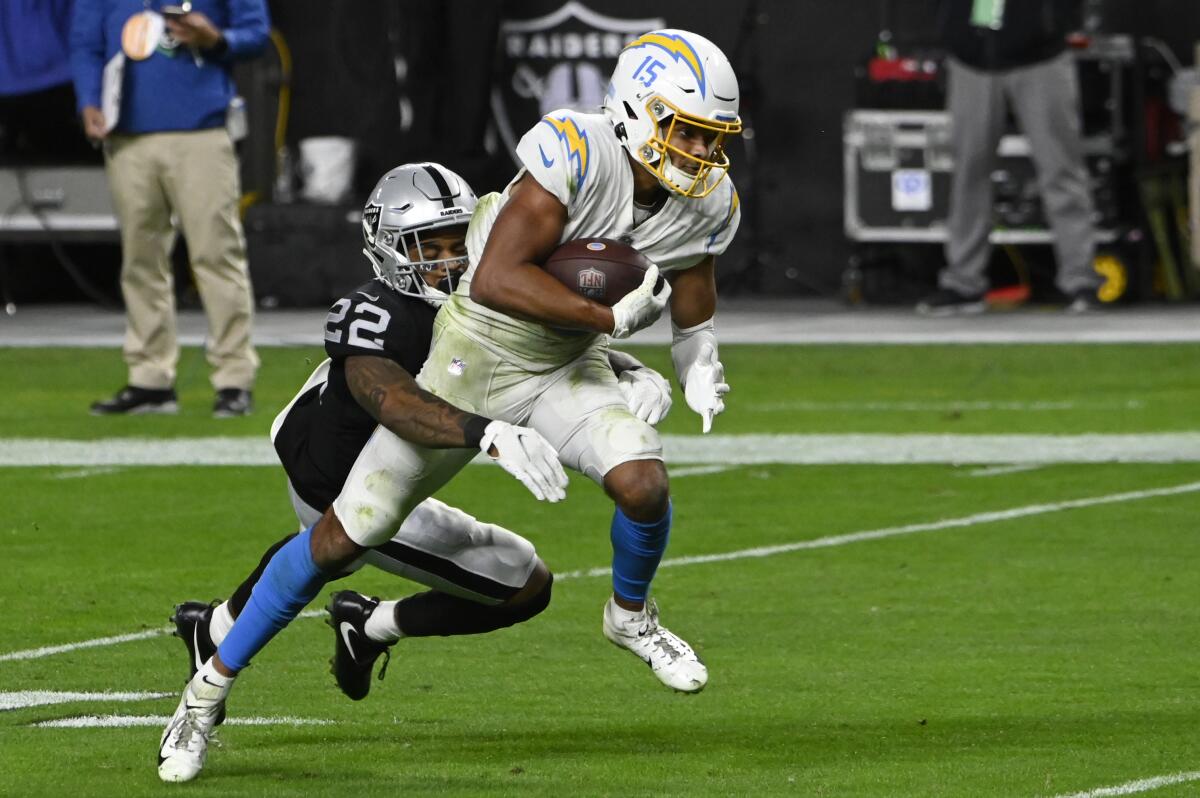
(637, 550)
(290, 581)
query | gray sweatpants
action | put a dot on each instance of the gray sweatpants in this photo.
(1045, 99)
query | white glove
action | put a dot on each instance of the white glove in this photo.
(641, 307)
(525, 454)
(646, 393)
(705, 386)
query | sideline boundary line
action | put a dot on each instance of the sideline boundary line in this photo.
(797, 449)
(760, 551)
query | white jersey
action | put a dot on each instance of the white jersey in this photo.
(577, 158)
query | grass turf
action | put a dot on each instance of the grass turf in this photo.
(1032, 656)
(1043, 388)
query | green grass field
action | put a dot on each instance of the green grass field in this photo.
(1045, 652)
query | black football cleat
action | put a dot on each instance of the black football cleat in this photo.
(354, 653)
(134, 401)
(192, 619)
(233, 402)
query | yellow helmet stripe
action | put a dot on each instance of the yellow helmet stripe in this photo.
(678, 48)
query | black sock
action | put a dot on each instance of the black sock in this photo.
(436, 613)
(240, 596)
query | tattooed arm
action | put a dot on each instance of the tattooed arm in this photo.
(393, 398)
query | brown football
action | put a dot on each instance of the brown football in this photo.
(600, 269)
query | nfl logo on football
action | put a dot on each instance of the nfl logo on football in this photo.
(591, 283)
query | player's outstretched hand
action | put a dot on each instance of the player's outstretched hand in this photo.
(641, 307)
(646, 393)
(705, 387)
(525, 454)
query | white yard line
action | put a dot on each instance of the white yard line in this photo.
(23, 699)
(724, 450)
(46, 651)
(1134, 787)
(82, 473)
(761, 551)
(942, 407)
(910, 529)
(158, 721)
(699, 471)
(996, 471)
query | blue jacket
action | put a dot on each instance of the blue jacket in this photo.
(33, 45)
(168, 90)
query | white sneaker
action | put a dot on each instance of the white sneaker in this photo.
(672, 660)
(184, 743)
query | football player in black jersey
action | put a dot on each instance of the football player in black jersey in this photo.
(482, 577)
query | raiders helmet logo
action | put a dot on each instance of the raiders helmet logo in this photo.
(591, 283)
(370, 222)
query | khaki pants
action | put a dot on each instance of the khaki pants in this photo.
(192, 176)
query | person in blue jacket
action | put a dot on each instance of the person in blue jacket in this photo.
(171, 163)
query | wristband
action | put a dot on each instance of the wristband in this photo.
(473, 430)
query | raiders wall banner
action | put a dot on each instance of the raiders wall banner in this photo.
(560, 60)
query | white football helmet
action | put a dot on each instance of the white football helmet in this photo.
(666, 78)
(408, 201)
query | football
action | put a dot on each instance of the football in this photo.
(600, 269)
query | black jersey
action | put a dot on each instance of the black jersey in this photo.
(325, 428)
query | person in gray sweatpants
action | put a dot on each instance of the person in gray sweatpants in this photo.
(1013, 51)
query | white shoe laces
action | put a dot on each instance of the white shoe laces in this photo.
(652, 638)
(192, 731)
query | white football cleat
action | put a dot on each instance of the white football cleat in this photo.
(668, 655)
(184, 743)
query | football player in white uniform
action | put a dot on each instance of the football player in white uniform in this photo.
(514, 343)
(483, 577)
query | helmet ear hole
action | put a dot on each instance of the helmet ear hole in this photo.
(629, 111)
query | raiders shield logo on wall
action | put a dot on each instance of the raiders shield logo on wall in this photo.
(561, 60)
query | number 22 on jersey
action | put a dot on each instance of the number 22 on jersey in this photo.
(368, 319)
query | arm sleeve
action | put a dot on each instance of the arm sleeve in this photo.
(248, 31)
(558, 153)
(87, 52)
(726, 227)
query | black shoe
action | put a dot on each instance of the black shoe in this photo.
(945, 302)
(354, 653)
(133, 401)
(192, 619)
(232, 402)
